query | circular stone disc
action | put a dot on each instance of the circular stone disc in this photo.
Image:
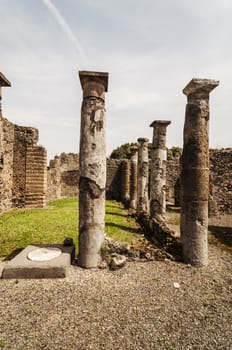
(44, 254)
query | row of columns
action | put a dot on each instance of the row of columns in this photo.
(194, 175)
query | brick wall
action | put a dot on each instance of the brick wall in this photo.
(22, 163)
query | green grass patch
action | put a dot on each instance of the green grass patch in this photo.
(58, 220)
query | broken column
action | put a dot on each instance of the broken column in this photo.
(195, 172)
(143, 172)
(92, 162)
(158, 168)
(125, 181)
(133, 177)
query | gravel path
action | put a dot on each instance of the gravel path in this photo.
(136, 307)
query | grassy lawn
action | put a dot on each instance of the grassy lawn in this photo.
(58, 220)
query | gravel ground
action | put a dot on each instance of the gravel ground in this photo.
(136, 307)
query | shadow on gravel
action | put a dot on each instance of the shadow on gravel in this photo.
(222, 234)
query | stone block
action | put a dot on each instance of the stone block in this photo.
(22, 267)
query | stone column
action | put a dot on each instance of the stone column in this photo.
(143, 173)
(133, 182)
(125, 181)
(195, 172)
(4, 82)
(92, 164)
(158, 168)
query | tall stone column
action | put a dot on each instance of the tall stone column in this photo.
(195, 172)
(125, 181)
(158, 168)
(92, 159)
(134, 173)
(143, 173)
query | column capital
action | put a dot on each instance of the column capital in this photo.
(4, 81)
(201, 87)
(164, 123)
(94, 84)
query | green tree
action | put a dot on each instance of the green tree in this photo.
(124, 151)
(174, 152)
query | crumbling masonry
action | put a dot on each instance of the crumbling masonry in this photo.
(23, 168)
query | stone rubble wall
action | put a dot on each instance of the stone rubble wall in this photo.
(221, 179)
(63, 176)
(63, 179)
(113, 179)
(6, 167)
(22, 162)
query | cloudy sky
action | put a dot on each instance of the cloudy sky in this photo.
(151, 49)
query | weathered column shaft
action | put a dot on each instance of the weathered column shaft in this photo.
(143, 173)
(125, 181)
(195, 172)
(92, 159)
(133, 179)
(158, 168)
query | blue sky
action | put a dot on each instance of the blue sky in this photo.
(151, 49)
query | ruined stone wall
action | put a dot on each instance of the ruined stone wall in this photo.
(220, 179)
(6, 165)
(172, 180)
(63, 178)
(113, 179)
(19, 169)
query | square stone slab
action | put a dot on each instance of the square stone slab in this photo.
(22, 267)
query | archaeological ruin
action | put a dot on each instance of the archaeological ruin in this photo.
(195, 172)
(143, 176)
(198, 182)
(92, 161)
(65, 177)
(23, 164)
(158, 168)
(133, 178)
